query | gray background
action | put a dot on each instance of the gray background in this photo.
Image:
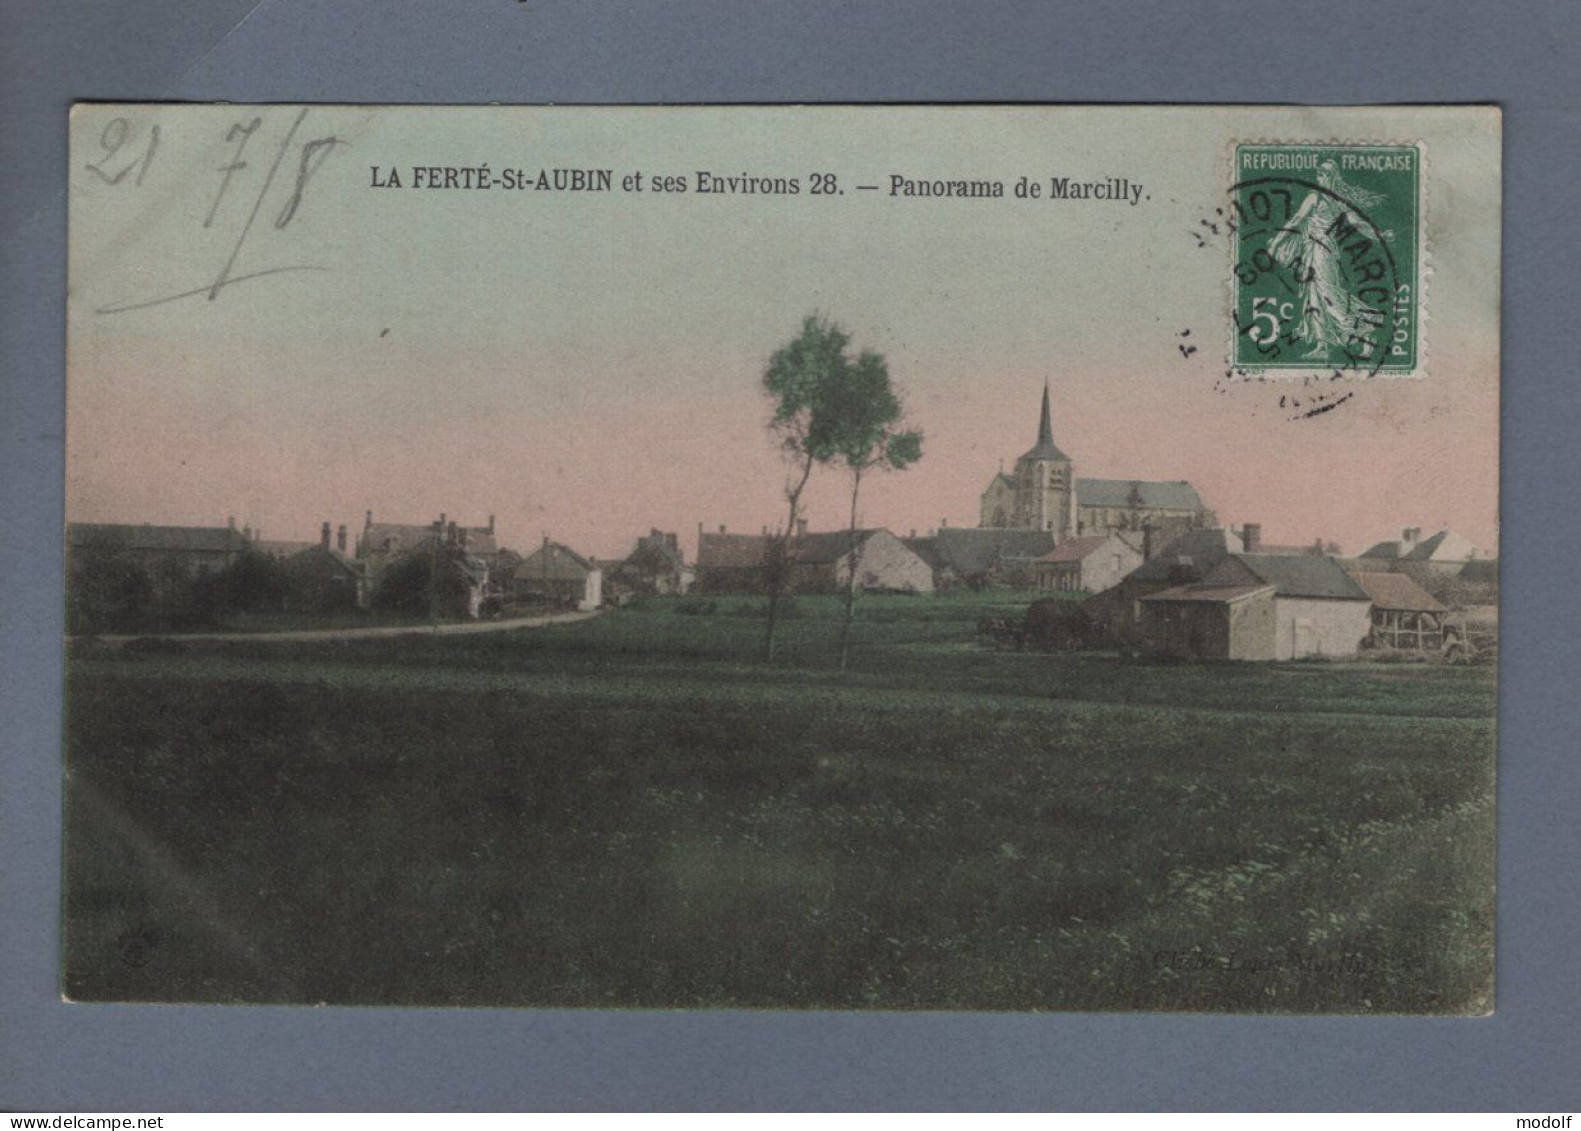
(1522, 55)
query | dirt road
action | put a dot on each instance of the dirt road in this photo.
(451, 629)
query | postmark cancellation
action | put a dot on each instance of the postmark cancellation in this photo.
(1326, 273)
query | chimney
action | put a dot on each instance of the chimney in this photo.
(699, 532)
(450, 533)
(1252, 536)
(247, 534)
(1410, 535)
(913, 531)
(801, 528)
(943, 523)
(340, 538)
(721, 528)
(765, 531)
(367, 520)
(491, 524)
(1147, 542)
(323, 535)
(463, 533)
(231, 522)
(674, 542)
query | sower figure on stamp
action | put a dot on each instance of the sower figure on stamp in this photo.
(1329, 310)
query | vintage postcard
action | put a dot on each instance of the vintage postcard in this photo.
(952, 558)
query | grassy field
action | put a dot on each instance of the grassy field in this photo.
(631, 811)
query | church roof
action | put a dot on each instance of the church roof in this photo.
(1176, 495)
(1045, 448)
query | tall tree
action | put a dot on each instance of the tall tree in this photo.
(799, 380)
(865, 413)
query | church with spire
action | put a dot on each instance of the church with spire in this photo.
(1043, 493)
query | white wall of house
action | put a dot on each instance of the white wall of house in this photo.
(592, 590)
(1313, 626)
(1106, 566)
(884, 562)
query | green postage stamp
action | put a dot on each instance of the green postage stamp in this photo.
(1327, 259)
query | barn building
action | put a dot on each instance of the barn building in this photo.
(1404, 615)
(1260, 607)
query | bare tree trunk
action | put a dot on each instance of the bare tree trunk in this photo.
(850, 579)
(777, 563)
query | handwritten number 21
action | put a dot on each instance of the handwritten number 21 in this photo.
(112, 141)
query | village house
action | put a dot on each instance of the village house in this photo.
(1443, 552)
(556, 573)
(980, 556)
(1260, 607)
(383, 543)
(323, 578)
(1089, 563)
(166, 555)
(654, 567)
(1404, 615)
(731, 563)
(823, 563)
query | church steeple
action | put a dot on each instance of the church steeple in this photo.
(1045, 449)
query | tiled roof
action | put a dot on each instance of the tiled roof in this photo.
(1396, 591)
(1075, 549)
(731, 551)
(1294, 576)
(969, 550)
(1170, 496)
(129, 536)
(402, 537)
(828, 548)
(556, 560)
(278, 549)
(1199, 549)
(315, 549)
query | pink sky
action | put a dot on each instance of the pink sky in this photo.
(595, 472)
